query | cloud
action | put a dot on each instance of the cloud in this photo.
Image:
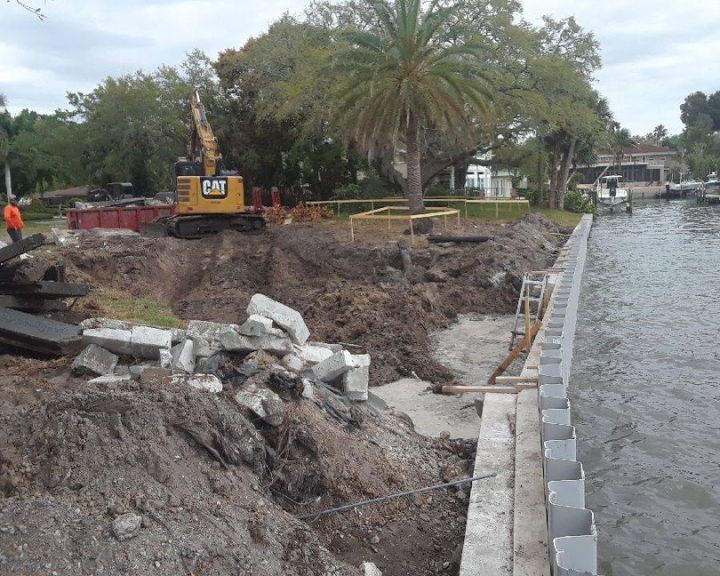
(654, 53)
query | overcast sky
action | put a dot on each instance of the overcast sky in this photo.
(655, 52)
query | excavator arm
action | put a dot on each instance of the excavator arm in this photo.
(203, 144)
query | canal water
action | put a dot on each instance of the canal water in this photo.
(646, 389)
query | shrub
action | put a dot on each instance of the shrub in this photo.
(577, 201)
(532, 195)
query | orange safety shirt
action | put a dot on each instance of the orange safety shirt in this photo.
(12, 217)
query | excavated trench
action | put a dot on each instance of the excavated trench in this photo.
(219, 492)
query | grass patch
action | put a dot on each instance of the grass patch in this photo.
(136, 310)
(43, 226)
(560, 217)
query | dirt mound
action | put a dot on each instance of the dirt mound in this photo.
(217, 492)
(357, 294)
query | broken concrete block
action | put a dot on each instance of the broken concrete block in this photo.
(205, 382)
(360, 360)
(355, 383)
(126, 526)
(234, 342)
(147, 342)
(178, 335)
(255, 325)
(334, 367)
(204, 348)
(111, 323)
(308, 389)
(94, 361)
(117, 341)
(262, 402)
(292, 362)
(206, 336)
(183, 357)
(314, 353)
(166, 359)
(212, 364)
(112, 379)
(288, 319)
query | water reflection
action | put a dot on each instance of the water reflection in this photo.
(645, 389)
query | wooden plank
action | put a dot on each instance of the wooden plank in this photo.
(480, 390)
(23, 246)
(44, 289)
(516, 379)
(39, 334)
(528, 335)
(29, 304)
(514, 353)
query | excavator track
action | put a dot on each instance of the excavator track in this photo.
(201, 225)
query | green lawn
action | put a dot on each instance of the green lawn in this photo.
(43, 226)
(117, 305)
(560, 217)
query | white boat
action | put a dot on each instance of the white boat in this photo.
(610, 195)
(710, 190)
(685, 188)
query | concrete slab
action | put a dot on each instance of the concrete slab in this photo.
(432, 413)
(488, 549)
(473, 348)
(117, 341)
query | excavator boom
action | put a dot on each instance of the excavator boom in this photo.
(204, 145)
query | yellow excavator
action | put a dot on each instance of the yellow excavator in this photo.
(209, 199)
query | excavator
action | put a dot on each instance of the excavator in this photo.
(209, 198)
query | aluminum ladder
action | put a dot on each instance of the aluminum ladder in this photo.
(533, 289)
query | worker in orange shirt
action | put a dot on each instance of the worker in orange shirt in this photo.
(13, 220)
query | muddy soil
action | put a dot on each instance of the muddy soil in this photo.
(219, 492)
(356, 294)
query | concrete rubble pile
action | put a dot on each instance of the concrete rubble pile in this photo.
(268, 353)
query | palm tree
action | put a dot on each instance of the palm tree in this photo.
(403, 78)
(620, 140)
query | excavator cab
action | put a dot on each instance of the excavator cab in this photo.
(188, 168)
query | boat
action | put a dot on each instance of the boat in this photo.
(710, 190)
(610, 195)
(682, 189)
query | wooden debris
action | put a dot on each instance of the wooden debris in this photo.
(514, 353)
(39, 334)
(19, 248)
(43, 288)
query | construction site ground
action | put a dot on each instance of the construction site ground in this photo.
(219, 493)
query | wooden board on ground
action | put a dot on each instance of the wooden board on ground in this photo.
(39, 334)
(44, 289)
(18, 248)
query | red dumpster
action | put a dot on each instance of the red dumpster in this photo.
(116, 217)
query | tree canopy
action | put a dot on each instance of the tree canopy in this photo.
(301, 105)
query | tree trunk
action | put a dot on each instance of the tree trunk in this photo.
(565, 173)
(461, 169)
(554, 176)
(412, 162)
(8, 179)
